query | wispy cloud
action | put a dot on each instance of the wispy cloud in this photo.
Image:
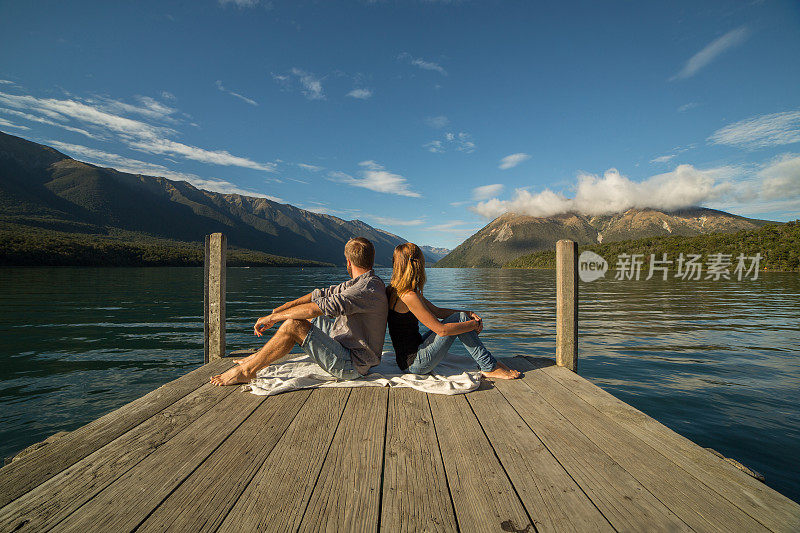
(455, 227)
(662, 158)
(460, 142)
(309, 84)
(9, 124)
(237, 95)
(360, 94)
(312, 168)
(484, 192)
(389, 221)
(438, 122)
(7, 82)
(421, 63)
(711, 51)
(134, 133)
(510, 161)
(686, 107)
(760, 132)
(613, 193)
(135, 166)
(376, 178)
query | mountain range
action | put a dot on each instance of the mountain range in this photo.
(44, 189)
(510, 236)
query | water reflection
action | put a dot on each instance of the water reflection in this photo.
(716, 361)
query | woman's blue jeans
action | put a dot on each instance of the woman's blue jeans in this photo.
(434, 348)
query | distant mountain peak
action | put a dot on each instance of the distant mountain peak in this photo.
(511, 235)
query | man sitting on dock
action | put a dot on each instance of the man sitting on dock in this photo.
(346, 347)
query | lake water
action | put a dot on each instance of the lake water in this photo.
(715, 361)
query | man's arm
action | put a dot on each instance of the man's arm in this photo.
(304, 311)
(294, 303)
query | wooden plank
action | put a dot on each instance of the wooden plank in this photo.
(203, 500)
(127, 502)
(346, 496)
(567, 304)
(620, 497)
(697, 505)
(415, 493)
(279, 492)
(771, 508)
(482, 494)
(553, 500)
(56, 498)
(26, 473)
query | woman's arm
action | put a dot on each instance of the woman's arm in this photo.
(417, 306)
(439, 312)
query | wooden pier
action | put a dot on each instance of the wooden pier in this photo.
(548, 452)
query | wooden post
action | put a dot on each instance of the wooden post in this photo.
(214, 297)
(567, 304)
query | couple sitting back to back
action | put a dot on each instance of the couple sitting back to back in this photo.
(342, 327)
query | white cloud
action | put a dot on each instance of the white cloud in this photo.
(166, 95)
(310, 85)
(389, 221)
(510, 161)
(376, 178)
(711, 52)
(360, 94)
(135, 166)
(421, 63)
(438, 122)
(461, 142)
(760, 132)
(312, 168)
(41, 120)
(9, 124)
(484, 192)
(455, 227)
(134, 133)
(662, 158)
(613, 193)
(781, 178)
(237, 95)
(687, 107)
(7, 82)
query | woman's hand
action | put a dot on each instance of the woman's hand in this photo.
(263, 324)
(479, 320)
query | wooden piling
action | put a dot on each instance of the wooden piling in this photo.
(214, 297)
(567, 304)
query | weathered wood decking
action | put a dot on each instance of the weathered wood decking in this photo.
(550, 450)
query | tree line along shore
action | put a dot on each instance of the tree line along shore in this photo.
(25, 246)
(778, 244)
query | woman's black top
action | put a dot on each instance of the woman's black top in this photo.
(404, 331)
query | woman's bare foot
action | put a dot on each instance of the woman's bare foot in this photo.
(233, 376)
(502, 372)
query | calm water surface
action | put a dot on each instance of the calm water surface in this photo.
(715, 361)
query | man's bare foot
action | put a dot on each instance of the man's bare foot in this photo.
(502, 372)
(233, 376)
(243, 360)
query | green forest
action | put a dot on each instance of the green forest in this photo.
(26, 246)
(778, 244)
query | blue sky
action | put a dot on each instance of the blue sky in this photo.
(425, 118)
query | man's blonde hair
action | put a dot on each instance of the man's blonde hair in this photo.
(408, 271)
(360, 252)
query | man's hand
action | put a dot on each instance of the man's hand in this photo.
(263, 324)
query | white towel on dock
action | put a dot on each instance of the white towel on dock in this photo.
(456, 374)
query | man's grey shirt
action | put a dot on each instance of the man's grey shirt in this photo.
(359, 306)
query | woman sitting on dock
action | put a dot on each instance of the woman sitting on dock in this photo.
(419, 354)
